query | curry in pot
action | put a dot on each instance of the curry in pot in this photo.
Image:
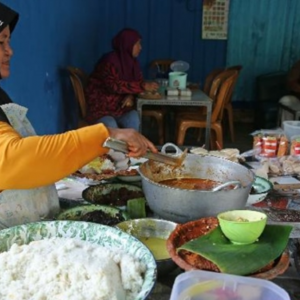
(192, 183)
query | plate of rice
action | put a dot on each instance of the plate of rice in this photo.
(74, 260)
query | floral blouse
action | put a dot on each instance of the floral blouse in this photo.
(106, 92)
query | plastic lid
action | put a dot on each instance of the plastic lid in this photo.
(179, 66)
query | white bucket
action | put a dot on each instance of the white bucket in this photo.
(291, 128)
(177, 80)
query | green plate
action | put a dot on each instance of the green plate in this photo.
(101, 235)
(98, 194)
(76, 213)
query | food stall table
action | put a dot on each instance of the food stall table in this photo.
(198, 98)
(290, 280)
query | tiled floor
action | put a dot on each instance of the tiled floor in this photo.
(243, 139)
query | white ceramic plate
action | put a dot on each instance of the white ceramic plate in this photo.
(137, 161)
(134, 164)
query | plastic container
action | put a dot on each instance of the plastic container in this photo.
(198, 285)
(291, 128)
(179, 66)
(177, 80)
(295, 145)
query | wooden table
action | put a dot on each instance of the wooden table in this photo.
(198, 98)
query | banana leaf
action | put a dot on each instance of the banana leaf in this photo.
(240, 259)
(136, 208)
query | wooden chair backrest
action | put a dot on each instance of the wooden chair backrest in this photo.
(79, 82)
(209, 80)
(162, 64)
(225, 80)
(237, 68)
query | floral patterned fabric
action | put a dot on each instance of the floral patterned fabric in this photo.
(106, 92)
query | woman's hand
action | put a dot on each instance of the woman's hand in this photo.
(137, 144)
(151, 86)
(128, 101)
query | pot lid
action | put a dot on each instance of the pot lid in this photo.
(179, 66)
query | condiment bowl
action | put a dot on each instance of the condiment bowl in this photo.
(259, 191)
(242, 226)
(154, 234)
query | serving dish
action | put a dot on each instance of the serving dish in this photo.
(92, 178)
(259, 191)
(101, 235)
(153, 233)
(183, 205)
(130, 175)
(150, 95)
(115, 194)
(101, 214)
(187, 260)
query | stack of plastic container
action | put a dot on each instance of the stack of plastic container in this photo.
(204, 285)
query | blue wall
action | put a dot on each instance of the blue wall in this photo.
(263, 37)
(53, 34)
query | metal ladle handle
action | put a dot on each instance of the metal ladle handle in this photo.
(236, 183)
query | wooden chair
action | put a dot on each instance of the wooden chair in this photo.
(228, 106)
(158, 115)
(209, 80)
(206, 89)
(210, 89)
(162, 66)
(157, 112)
(79, 80)
(222, 85)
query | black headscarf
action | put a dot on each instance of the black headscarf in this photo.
(7, 17)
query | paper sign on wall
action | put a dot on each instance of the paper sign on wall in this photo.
(215, 19)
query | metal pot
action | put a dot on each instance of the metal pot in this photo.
(182, 205)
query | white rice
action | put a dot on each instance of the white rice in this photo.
(65, 268)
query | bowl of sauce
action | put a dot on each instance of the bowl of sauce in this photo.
(153, 233)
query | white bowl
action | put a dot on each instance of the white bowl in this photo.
(262, 187)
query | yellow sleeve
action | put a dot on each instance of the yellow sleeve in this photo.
(41, 160)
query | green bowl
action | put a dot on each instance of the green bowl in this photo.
(242, 226)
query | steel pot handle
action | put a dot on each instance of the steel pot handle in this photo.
(166, 145)
(236, 183)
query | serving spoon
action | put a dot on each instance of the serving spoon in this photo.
(121, 146)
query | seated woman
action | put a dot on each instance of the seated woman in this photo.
(115, 81)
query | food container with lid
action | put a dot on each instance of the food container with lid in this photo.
(196, 284)
(177, 80)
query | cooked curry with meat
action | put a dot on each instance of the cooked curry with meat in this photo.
(192, 183)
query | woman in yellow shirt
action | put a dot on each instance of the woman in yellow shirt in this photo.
(30, 164)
